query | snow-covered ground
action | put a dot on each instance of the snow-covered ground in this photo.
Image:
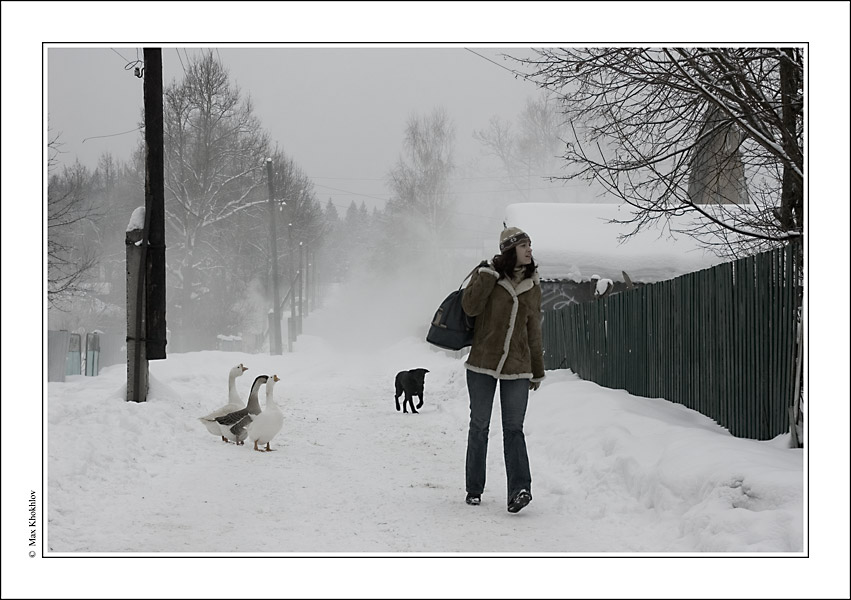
(612, 472)
(614, 475)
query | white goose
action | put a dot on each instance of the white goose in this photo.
(234, 403)
(232, 425)
(267, 424)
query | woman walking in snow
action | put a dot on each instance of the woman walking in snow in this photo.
(505, 297)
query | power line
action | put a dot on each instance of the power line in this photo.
(350, 192)
(458, 212)
(525, 77)
(489, 177)
(181, 60)
(111, 134)
(119, 54)
(512, 71)
(455, 194)
(349, 178)
(129, 64)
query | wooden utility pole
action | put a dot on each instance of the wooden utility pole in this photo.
(137, 360)
(155, 302)
(146, 326)
(275, 339)
(301, 287)
(314, 281)
(308, 280)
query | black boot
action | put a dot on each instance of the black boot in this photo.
(520, 500)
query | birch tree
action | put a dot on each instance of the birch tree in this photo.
(421, 178)
(662, 128)
(215, 154)
(529, 153)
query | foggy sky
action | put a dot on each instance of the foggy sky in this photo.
(340, 113)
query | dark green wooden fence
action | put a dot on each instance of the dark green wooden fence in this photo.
(721, 341)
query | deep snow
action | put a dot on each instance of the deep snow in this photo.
(612, 472)
(614, 475)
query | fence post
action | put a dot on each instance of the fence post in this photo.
(137, 370)
(73, 360)
(57, 354)
(92, 354)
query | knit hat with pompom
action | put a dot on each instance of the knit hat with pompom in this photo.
(510, 237)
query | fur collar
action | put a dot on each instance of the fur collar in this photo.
(524, 286)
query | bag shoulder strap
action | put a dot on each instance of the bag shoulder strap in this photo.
(470, 274)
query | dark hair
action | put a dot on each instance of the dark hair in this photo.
(505, 263)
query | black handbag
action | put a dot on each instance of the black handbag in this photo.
(452, 328)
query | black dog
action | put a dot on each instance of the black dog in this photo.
(411, 382)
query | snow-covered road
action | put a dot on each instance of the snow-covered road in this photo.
(350, 474)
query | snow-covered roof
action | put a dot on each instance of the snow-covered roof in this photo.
(577, 241)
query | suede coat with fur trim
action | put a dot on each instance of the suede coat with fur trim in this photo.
(507, 336)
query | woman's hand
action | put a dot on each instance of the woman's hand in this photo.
(534, 385)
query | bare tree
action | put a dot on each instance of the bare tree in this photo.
(532, 153)
(70, 218)
(421, 183)
(716, 132)
(214, 162)
(302, 221)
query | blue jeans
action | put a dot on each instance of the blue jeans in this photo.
(514, 396)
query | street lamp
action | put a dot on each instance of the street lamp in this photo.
(275, 326)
